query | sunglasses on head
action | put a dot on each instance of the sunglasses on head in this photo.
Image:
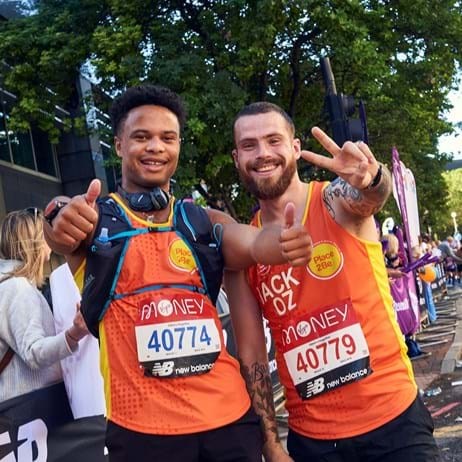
(34, 211)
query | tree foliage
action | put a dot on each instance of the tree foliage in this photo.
(453, 180)
(400, 57)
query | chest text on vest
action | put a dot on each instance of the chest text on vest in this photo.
(166, 308)
(279, 289)
(316, 325)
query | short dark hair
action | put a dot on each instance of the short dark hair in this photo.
(141, 95)
(263, 107)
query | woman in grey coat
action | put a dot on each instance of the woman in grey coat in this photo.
(26, 322)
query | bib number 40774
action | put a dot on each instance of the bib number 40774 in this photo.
(180, 338)
(178, 348)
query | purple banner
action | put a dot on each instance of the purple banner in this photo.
(405, 303)
(405, 287)
(399, 183)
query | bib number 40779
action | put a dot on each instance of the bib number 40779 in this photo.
(326, 349)
(337, 348)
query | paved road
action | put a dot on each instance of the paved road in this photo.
(446, 409)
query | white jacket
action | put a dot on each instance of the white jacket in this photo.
(26, 325)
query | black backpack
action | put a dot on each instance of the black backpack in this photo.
(105, 256)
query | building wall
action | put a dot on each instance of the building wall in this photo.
(20, 188)
(32, 171)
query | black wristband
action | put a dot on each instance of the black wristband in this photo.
(376, 180)
(52, 210)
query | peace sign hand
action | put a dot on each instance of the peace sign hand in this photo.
(353, 162)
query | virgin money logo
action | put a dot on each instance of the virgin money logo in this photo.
(263, 270)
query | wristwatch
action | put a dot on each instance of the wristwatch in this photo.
(52, 210)
(376, 180)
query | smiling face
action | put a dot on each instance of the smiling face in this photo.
(148, 143)
(266, 154)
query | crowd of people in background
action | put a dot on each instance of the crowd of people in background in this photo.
(447, 251)
(440, 270)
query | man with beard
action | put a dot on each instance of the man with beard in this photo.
(350, 390)
(173, 392)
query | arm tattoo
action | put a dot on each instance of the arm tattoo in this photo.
(363, 203)
(258, 381)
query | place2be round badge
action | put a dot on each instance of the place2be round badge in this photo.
(180, 256)
(326, 260)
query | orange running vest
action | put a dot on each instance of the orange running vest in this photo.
(335, 332)
(164, 406)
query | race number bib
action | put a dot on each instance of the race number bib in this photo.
(176, 336)
(325, 349)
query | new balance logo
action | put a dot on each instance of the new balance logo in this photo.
(163, 369)
(315, 387)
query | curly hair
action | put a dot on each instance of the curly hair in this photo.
(22, 239)
(142, 95)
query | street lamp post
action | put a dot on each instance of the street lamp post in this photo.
(425, 222)
(454, 215)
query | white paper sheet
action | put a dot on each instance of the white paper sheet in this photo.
(81, 372)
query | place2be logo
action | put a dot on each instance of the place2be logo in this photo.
(326, 261)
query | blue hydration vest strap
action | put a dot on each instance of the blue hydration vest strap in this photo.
(105, 256)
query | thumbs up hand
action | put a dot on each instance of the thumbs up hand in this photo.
(289, 215)
(295, 240)
(93, 192)
(75, 222)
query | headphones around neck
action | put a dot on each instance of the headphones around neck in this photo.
(157, 199)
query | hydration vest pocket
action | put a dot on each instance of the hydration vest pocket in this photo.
(97, 290)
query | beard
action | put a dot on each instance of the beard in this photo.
(268, 188)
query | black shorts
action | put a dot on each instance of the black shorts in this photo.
(240, 441)
(407, 438)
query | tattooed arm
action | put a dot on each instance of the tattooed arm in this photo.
(361, 189)
(361, 203)
(258, 381)
(251, 348)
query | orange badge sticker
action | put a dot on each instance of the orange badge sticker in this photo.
(181, 257)
(326, 260)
